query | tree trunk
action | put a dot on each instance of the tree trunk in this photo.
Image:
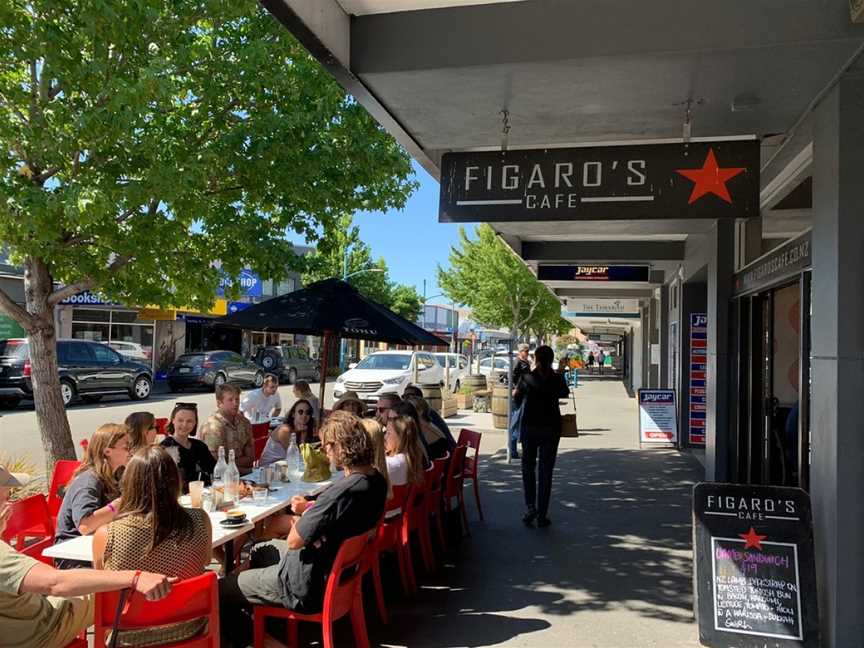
(50, 412)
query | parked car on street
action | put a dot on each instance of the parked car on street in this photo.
(458, 368)
(497, 363)
(88, 370)
(388, 371)
(209, 369)
(131, 350)
(288, 361)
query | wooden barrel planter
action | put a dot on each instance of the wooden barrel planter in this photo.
(432, 394)
(475, 382)
(500, 395)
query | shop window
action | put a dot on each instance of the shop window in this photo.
(124, 317)
(90, 315)
(88, 331)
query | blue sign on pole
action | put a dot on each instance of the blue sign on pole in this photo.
(250, 284)
(236, 307)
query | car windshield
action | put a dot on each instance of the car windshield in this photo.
(13, 348)
(445, 360)
(386, 361)
(192, 360)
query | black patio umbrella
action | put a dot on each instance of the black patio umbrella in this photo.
(331, 307)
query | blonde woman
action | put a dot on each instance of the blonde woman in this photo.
(142, 429)
(376, 434)
(93, 496)
(404, 450)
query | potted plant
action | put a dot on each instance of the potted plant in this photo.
(464, 398)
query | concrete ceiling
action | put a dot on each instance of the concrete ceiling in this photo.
(364, 7)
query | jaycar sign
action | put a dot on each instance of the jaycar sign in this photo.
(714, 179)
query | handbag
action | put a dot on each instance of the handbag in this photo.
(317, 463)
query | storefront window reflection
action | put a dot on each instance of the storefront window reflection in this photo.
(120, 329)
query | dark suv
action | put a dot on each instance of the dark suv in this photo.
(89, 370)
(289, 362)
(209, 369)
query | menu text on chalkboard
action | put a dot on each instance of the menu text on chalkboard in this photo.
(755, 572)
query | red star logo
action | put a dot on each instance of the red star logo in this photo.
(710, 179)
(752, 539)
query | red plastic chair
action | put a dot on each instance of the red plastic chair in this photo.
(260, 430)
(342, 597)
(471, 439)
(30, 519)
(417, 520)
(258, 444)
(63, 471)
(189, 599)
(393, 536)
(434, 495)
(161, 425)
(454, 482)
(78, 643)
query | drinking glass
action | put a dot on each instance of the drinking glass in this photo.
(207, 501)
(259, 494)
(196, 489)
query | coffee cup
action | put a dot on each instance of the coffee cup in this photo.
(235, 515)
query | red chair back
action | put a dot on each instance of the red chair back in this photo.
(400, 494)
(471, 439)
(457, 469)
(161, 425)
(30, 519)
(63, 471)
(345, 576)
(258, 444)
(189, 599)
(433, 481)
(260, 430)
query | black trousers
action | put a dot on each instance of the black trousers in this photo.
(537, 483)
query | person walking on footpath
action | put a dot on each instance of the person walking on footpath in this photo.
(521, 368)
(601, 358)
(590, 361)
(540, 391)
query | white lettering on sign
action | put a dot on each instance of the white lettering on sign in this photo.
(637, 176)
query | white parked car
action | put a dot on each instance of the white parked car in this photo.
(458, 368)
(388, 371)
(131, 350)
(493, 363)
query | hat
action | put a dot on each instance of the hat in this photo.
(10, 479)
(348, 397)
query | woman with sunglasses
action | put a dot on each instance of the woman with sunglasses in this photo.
(298, 424)
(142, 429)
(194, 457)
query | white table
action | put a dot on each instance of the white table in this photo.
(81, 547)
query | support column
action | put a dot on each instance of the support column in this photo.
(837, 363)
(664, 337)
(653, 338)
(717, 430)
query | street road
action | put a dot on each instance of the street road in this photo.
(19, 434)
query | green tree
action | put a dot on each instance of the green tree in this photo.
(149, 147)
(405, 301)
(488, 277)
(329, 260)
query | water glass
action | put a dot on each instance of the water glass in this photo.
(196, 489)
(207, 501)
(259, 494)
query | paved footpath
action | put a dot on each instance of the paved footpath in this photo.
(613, 570)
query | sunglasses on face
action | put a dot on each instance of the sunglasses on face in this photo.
(306, 412)
(186, 405)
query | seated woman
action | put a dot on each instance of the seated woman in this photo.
(404, 451)
(407, 410)
(152, 532)
(436, 442)
(351, 403)
(193, 456)
(376, 436)
(299, 424)
(304, 392)
(142, 429)
(92, 497)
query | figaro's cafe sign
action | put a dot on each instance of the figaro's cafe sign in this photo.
(699, 179)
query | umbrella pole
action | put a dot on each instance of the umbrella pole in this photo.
(324, 356)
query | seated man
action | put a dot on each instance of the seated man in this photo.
(228, 427)
(293, 572)
(42, 607)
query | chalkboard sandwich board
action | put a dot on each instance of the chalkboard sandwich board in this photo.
(755, 576)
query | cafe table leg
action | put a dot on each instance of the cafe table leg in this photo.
(228, 565)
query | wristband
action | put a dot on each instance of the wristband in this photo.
(135, 580)
(111, 508)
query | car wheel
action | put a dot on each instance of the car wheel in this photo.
(259, 379)
(269, 361)
(174, 388)
(67, 391)
(219, 380)
(9, 403)
(141, 388)
(292, 376)
(95, 398)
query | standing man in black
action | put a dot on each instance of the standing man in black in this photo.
(521, 368)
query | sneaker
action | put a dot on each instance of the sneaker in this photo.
(543, 522)
(528, 518)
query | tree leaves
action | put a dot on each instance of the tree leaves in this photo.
(178, 134)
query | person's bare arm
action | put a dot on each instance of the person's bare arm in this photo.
(42, 579)
(100, 539)
(295, 540)
(98, 518)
